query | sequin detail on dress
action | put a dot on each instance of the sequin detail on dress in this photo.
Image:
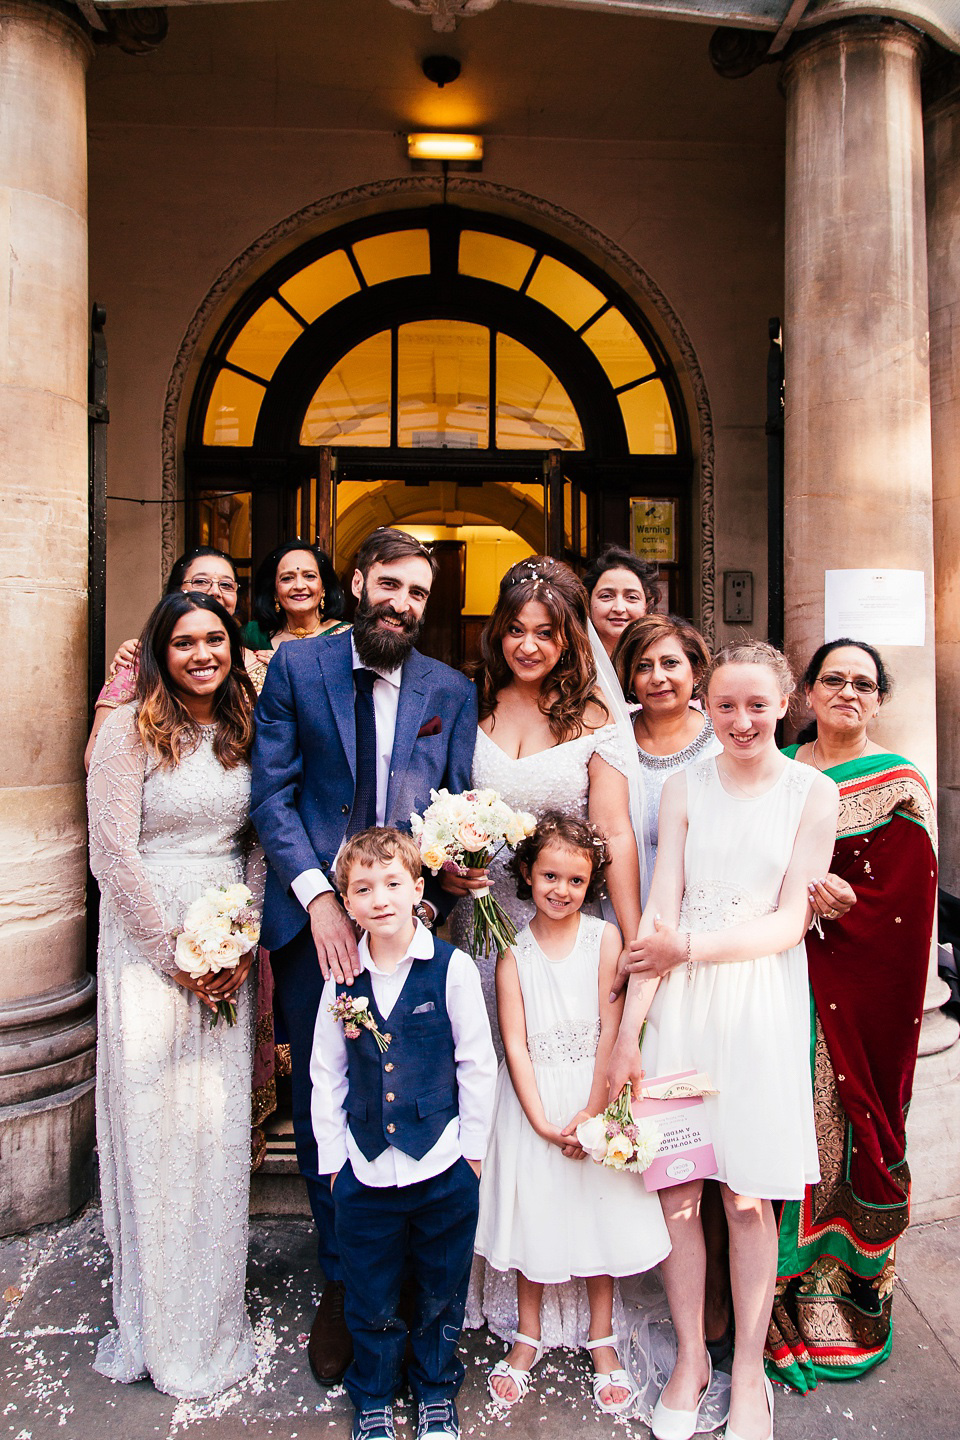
(173, 1094)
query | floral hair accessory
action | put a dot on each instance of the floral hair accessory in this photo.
(353, 1012)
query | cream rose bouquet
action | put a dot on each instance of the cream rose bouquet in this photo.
(461, 832)
(218, 930)
(615, 1139)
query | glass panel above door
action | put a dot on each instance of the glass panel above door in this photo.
(443, 385)
(352, 406)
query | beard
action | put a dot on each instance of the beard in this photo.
(378, 647)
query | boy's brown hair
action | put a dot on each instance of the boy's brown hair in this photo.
(378, 845)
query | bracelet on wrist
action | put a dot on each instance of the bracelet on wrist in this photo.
(689, 960)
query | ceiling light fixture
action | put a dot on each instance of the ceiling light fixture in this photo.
(460, 149)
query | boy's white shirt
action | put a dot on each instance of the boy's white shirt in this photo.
(467, 1133)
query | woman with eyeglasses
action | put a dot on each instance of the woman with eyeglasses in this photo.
(205, 570)
(867, 962)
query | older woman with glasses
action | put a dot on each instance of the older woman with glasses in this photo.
(868, 963)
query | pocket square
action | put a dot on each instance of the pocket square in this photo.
(430, 727)
(423, 1009)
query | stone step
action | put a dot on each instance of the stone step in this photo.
(277, 1187)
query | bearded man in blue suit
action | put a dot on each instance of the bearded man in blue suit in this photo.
(352, 730)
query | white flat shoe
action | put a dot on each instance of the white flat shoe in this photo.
(520, 1378)
(667, 1424)
(729, 1434)
(621, 1378)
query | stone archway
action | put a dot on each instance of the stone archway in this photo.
(427, 189)
(439, 503)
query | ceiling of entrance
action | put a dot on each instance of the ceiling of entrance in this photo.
(354, 65)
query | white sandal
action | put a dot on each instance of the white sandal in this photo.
(620, 1378)
(520, 1378)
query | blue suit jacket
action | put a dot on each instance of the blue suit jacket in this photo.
(305, 757)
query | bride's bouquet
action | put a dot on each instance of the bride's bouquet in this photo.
(616, 1139)
(460, 832)
(218, 929)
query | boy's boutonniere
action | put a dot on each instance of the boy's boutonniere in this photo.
(353, 1012)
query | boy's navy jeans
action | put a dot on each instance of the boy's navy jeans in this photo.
(423, 1231)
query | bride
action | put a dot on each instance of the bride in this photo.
(169, 801)
(546, 741)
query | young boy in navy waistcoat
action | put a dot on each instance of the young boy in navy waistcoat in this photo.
(403, 1072)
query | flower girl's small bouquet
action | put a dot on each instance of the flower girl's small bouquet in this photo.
(218, 929)
(614, 1138)
(460, 832)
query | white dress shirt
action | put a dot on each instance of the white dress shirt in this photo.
(467, 1133)
(386, 698)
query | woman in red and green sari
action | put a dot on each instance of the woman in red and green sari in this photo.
(832, 1307)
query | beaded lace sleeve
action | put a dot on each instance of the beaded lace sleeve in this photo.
(609, 746)
(254, 868)
(114, 809)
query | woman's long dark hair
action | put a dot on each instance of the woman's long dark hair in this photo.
(572, 684)
(265, 609)
(166, 727)
(884, 682)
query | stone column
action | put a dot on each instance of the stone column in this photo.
(858, 468)
(46, 994)
(942, 150)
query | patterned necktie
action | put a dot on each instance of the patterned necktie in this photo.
(365, 796)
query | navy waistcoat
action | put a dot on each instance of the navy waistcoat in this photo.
(405, 1096)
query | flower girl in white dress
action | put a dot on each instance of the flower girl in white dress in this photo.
(545, 1210)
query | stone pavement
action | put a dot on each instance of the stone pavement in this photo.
(55, 1302)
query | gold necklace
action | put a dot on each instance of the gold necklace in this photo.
(304, 634)
(862, 751)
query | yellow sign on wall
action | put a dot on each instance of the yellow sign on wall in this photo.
(653, 529)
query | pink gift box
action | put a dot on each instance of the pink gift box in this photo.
(686, 1151)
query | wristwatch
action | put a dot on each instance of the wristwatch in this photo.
(425, 915)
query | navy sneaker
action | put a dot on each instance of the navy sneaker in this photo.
(374, 1424)
(437, 1420)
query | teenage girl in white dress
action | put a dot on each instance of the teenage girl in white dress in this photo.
(546, 1211)
(720, 966)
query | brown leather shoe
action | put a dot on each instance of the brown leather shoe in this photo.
(329, 1348)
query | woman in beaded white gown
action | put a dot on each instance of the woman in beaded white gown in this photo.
(169, 803)
(545, 742)
(719, 971)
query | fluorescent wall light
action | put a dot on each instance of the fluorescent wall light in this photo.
(427, 146)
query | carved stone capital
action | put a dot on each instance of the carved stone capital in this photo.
(735, 53)
(445, 14)
(136, 32)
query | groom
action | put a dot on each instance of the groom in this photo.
(352, 730)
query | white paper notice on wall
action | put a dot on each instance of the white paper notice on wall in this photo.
(883, 607)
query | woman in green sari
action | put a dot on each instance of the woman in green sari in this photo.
(832, 1308)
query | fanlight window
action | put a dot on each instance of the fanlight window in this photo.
(440, 383)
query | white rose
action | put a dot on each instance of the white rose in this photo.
(222, 950)
(592, 1135)
(191, 958)
(619, 1151)
(360, 1002)
(234, 898)
(202, 912)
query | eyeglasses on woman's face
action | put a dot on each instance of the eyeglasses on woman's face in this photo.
(207, 583)
(834, 682)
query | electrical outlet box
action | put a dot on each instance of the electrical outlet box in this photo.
(738, 597)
